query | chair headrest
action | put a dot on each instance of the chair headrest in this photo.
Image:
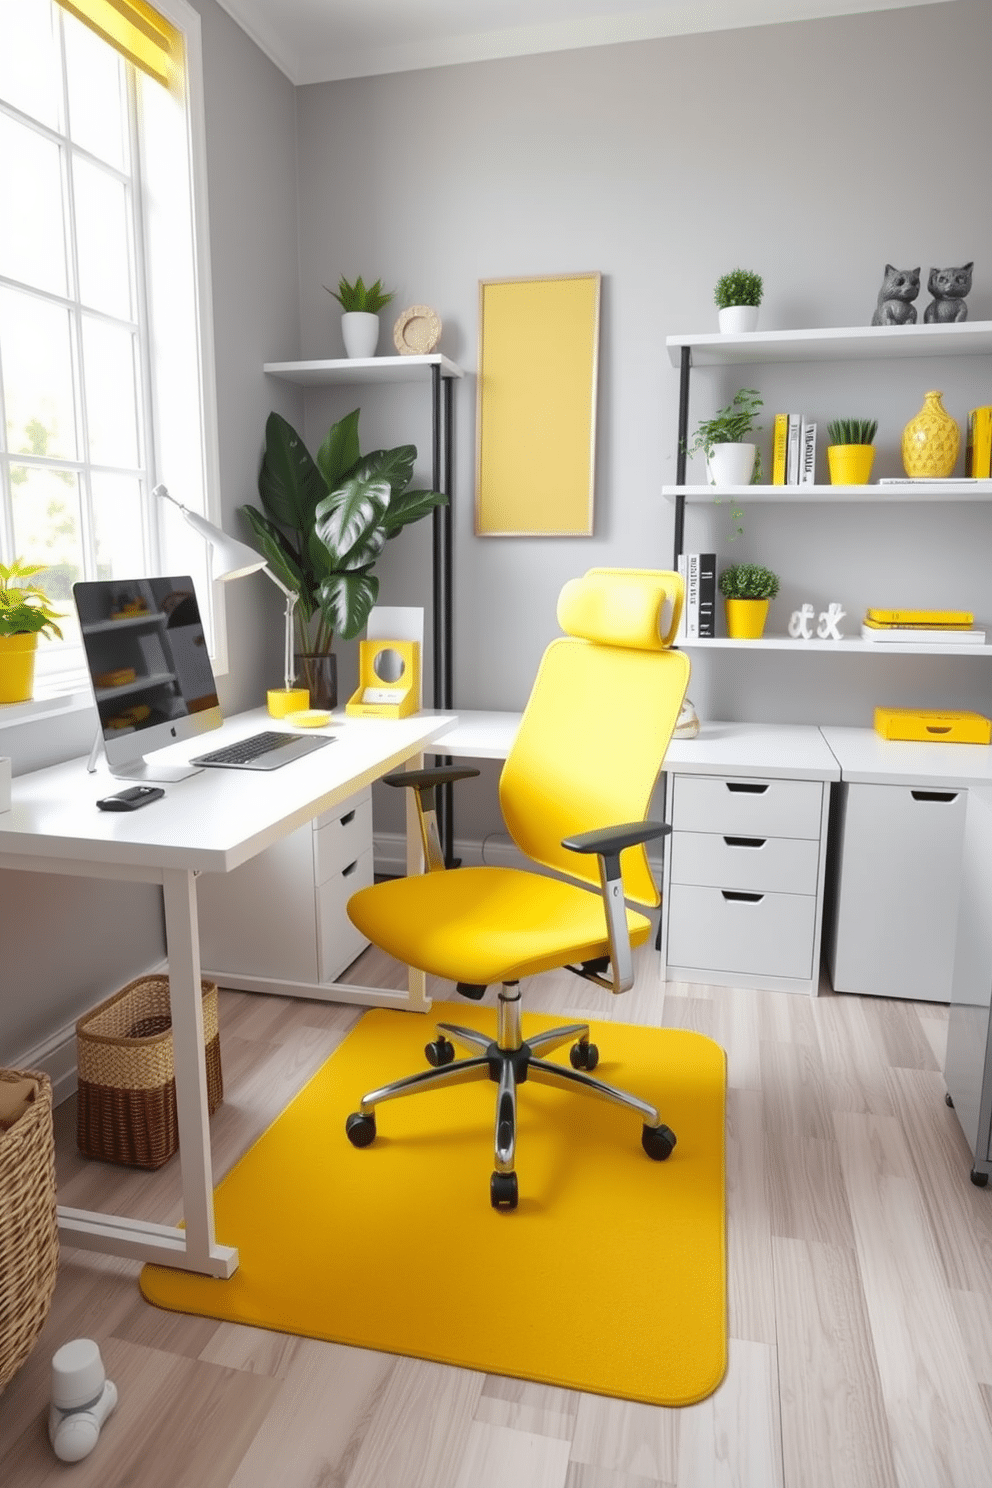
(636, 608)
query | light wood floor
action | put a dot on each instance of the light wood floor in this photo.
(860, 1291)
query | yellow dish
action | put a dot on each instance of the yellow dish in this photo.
(308, 718)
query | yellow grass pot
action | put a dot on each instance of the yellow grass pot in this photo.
(850, 464)
(17, 654)
(746, 618)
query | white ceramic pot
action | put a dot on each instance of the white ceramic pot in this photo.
(731, 464)
(738, 318)
(361, 333)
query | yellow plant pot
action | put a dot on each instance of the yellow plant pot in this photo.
(283, 700)
(17, 653)
(850, 464)
(746, 618)
(931, 440)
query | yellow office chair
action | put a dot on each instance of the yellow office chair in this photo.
(575, 789)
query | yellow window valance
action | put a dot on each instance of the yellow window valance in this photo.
(136, 30)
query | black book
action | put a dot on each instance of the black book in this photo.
(707, 595)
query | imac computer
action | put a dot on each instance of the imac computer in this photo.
(149, 668)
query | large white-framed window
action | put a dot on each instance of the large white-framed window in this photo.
(106, 353)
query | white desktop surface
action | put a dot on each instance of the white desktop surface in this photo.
(210, 822)
(865, 757)
(769, 750)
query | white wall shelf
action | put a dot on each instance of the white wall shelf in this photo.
(845, 647)
(931, 491)
(362, 369)
(834, 344)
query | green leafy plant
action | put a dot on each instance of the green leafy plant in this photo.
(748, 581)
(326, 520)
(24, 608)
(358, 296)
(739, 287)
(730, 425)
(852, 431)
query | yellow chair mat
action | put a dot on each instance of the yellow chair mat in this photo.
(609, 1277)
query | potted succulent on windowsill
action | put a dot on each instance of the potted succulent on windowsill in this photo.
(325, 522)
(850, 452)
(25, 614)
(360, 319)
(731, 460)
(737, 296)
(747, 589)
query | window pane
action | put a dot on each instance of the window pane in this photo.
(36, 368)
(97, 109)
(46, 530)
(102, 240)
(111, 397)
(30, 75)
(120, 549)
(32, 242)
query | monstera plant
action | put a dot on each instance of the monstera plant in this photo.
(324, 523)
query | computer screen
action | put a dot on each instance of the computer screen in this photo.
(149, 667)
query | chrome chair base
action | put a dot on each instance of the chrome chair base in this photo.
(510, 1060)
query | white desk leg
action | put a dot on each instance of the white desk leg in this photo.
(182, 941)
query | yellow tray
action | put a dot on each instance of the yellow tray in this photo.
(937, 728)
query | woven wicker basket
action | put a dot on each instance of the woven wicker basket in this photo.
(29, 1237)
(126, 1111)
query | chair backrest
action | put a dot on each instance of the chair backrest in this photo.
(593, 736)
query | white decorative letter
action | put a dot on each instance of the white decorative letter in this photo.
(801, 623)
(830, 619)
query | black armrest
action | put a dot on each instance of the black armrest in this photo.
(425, 783)
(419, 779)
(609, 842)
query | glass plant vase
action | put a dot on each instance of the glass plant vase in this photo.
(930, 441)
(317, 671)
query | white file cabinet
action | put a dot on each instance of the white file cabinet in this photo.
(278, 923)
(744, 865)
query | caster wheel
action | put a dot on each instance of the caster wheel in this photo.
(584, 1056)
(440, 1051)
(979, 1179)
(949, 1100)
(503, 1190)
(658, 1142)
(360, 1129)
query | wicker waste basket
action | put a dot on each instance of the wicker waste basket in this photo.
(126, 1110)
(29, 1236)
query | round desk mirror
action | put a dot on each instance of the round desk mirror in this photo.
(388, 665)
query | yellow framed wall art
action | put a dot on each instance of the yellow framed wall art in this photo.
(536, 406)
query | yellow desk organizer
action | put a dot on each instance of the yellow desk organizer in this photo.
(938, 728)
(388, 680)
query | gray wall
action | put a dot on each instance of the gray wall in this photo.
(812, 152)
(66, 943)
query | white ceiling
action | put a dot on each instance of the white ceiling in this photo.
(316, 41)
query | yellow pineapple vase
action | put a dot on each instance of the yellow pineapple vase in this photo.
(931, 441)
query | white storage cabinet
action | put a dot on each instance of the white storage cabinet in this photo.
(278, 923)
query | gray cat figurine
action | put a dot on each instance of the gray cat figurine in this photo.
(899, 288)
(948, 287)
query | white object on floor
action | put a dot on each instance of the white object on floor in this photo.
(82, 1399)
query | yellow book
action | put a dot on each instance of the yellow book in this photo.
(780, 440)
(924, 725)
(943, 618)
(978, 452)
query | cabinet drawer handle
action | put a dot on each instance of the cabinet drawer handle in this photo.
(348, 818)
(749, 787)
(350, 869)
(738, 898)
(745, 841)
(922, 795)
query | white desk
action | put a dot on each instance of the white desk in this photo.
(209, 823)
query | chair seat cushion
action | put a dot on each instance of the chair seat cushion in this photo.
(486, 925)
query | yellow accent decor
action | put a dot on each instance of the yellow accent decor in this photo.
(932, 727)
(618, 1263)
(931, 440)
(17, 654)
(850, 464)
(380, 694)
(283, 700)
(137, 31)
(746, 618)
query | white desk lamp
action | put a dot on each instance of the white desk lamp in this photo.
(231, 559)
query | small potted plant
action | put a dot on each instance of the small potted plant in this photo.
(850, 452)
(747, 589)
(360, 319)
(731, 460)
(25, 614)
(738, 295)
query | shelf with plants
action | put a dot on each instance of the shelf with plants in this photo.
(832, 343)
(344, 370)
(929, 491)
(848, 645)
